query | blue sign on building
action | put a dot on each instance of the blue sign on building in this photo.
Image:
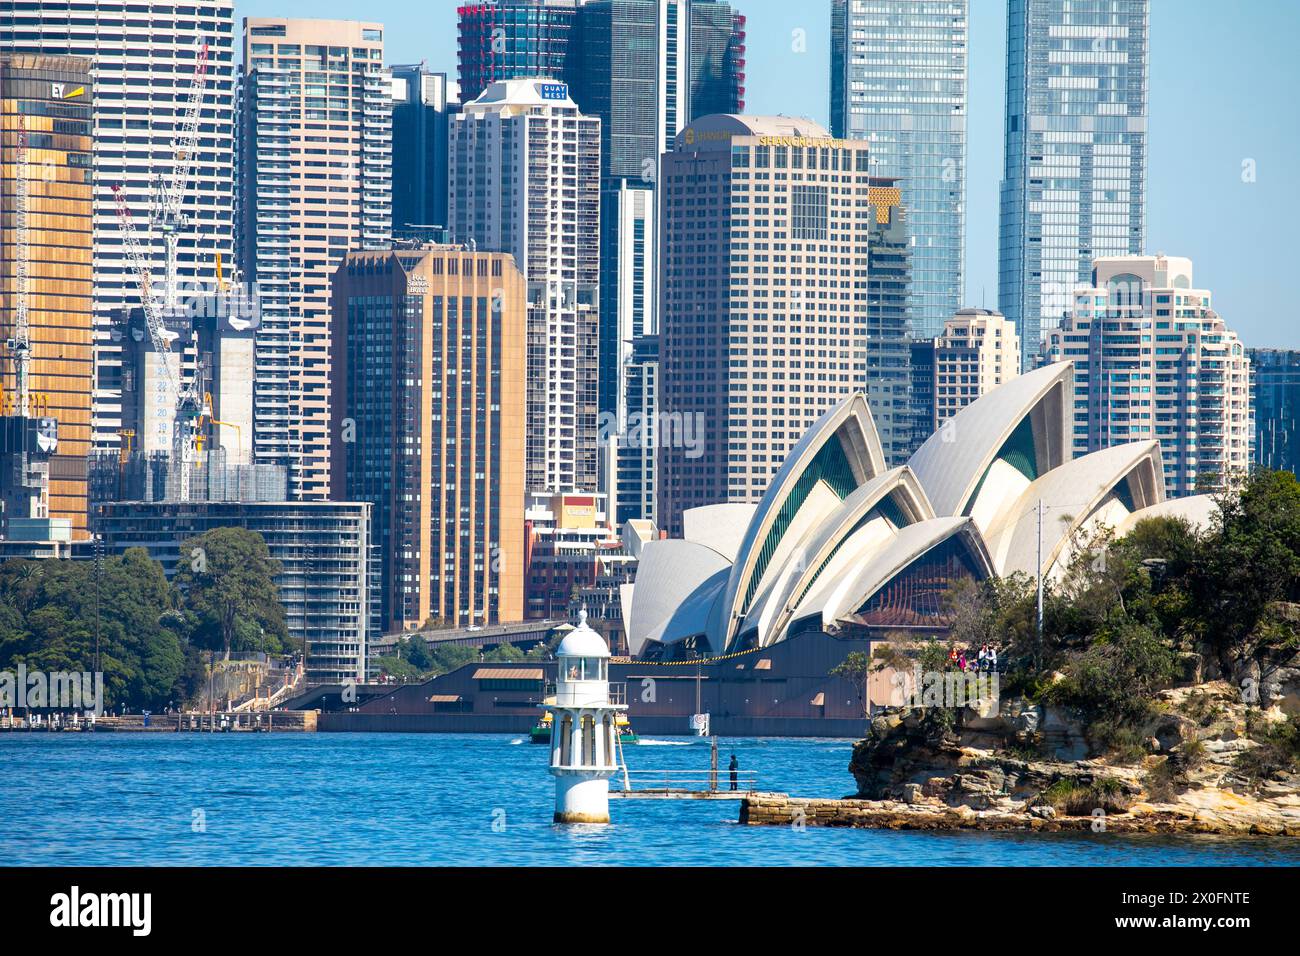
(554, 91)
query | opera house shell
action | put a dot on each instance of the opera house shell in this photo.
(842, 545)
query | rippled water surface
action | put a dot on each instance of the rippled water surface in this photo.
(433, 799)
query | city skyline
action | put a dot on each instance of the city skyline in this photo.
(1185, 34)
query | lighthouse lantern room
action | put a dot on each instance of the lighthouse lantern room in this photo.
(584, 728)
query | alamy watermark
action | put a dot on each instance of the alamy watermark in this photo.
(659, 430)
(57, 690)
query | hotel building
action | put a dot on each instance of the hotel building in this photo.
(428, 408)
(1153, 359)
(45, 267)
(525, 180)
(766, 226)
(315, 180)
(143, 56)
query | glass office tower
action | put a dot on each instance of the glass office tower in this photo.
(898, 79)
(1074, 187)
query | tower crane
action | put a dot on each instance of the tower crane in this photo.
(19, 344)
(168, 213)
(168, 216)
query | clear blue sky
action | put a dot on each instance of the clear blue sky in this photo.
(1224, 78)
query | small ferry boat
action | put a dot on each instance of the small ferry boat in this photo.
(541, 733)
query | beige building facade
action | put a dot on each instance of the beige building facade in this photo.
(428, 414)
(315, 181)
(978, 351)
(766, 224)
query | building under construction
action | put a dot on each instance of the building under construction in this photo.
(46, 359)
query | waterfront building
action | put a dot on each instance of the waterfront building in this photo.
(324, 550)
(315, 180)
(46, 279)
(766, 228)
(1074, 185)
(525, 180)
(1276, 375)
(978, 351)
(143, 57)
(421, 107)
(841, 544)
(889, 280)
(428, 422)
(1154, 360)
(898, 79)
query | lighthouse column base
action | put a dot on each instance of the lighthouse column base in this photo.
(581, 799)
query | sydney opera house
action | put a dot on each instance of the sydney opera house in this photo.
(843, 546)
(746, 616)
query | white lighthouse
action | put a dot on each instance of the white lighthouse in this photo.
(584, 729)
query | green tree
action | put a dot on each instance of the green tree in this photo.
(226, 578)
(856, 667)
(121, 620)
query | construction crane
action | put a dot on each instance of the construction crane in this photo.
(19, 343)
(167, 215)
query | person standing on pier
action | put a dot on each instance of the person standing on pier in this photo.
(733, 767)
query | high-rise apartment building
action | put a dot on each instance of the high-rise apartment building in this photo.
(898, 79)
(315, 180)
(46, 187)
(1277, 408)
(889, 279)
(1152, 359)
(766, 226)
(977, 351)
(324, 552)
(143, 62)
(420, 110)
(511, 40)
(525, 179)
(1074, 185)
(429, 392)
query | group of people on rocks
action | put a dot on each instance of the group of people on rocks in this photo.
(986, 661)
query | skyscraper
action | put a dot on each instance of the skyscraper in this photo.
(143, 57)
(315, 171)
(420, 110)
(766, 225)
(1152, 359)
(45, 275)
(898, 79)
(1277, 408)
(525, 179)
(1074, 186)
(645, 67)
(428, 405)
(511, 40)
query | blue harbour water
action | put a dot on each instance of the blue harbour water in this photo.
(432, 799)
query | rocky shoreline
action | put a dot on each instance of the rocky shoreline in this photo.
(1021, 770)
(778, 809)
